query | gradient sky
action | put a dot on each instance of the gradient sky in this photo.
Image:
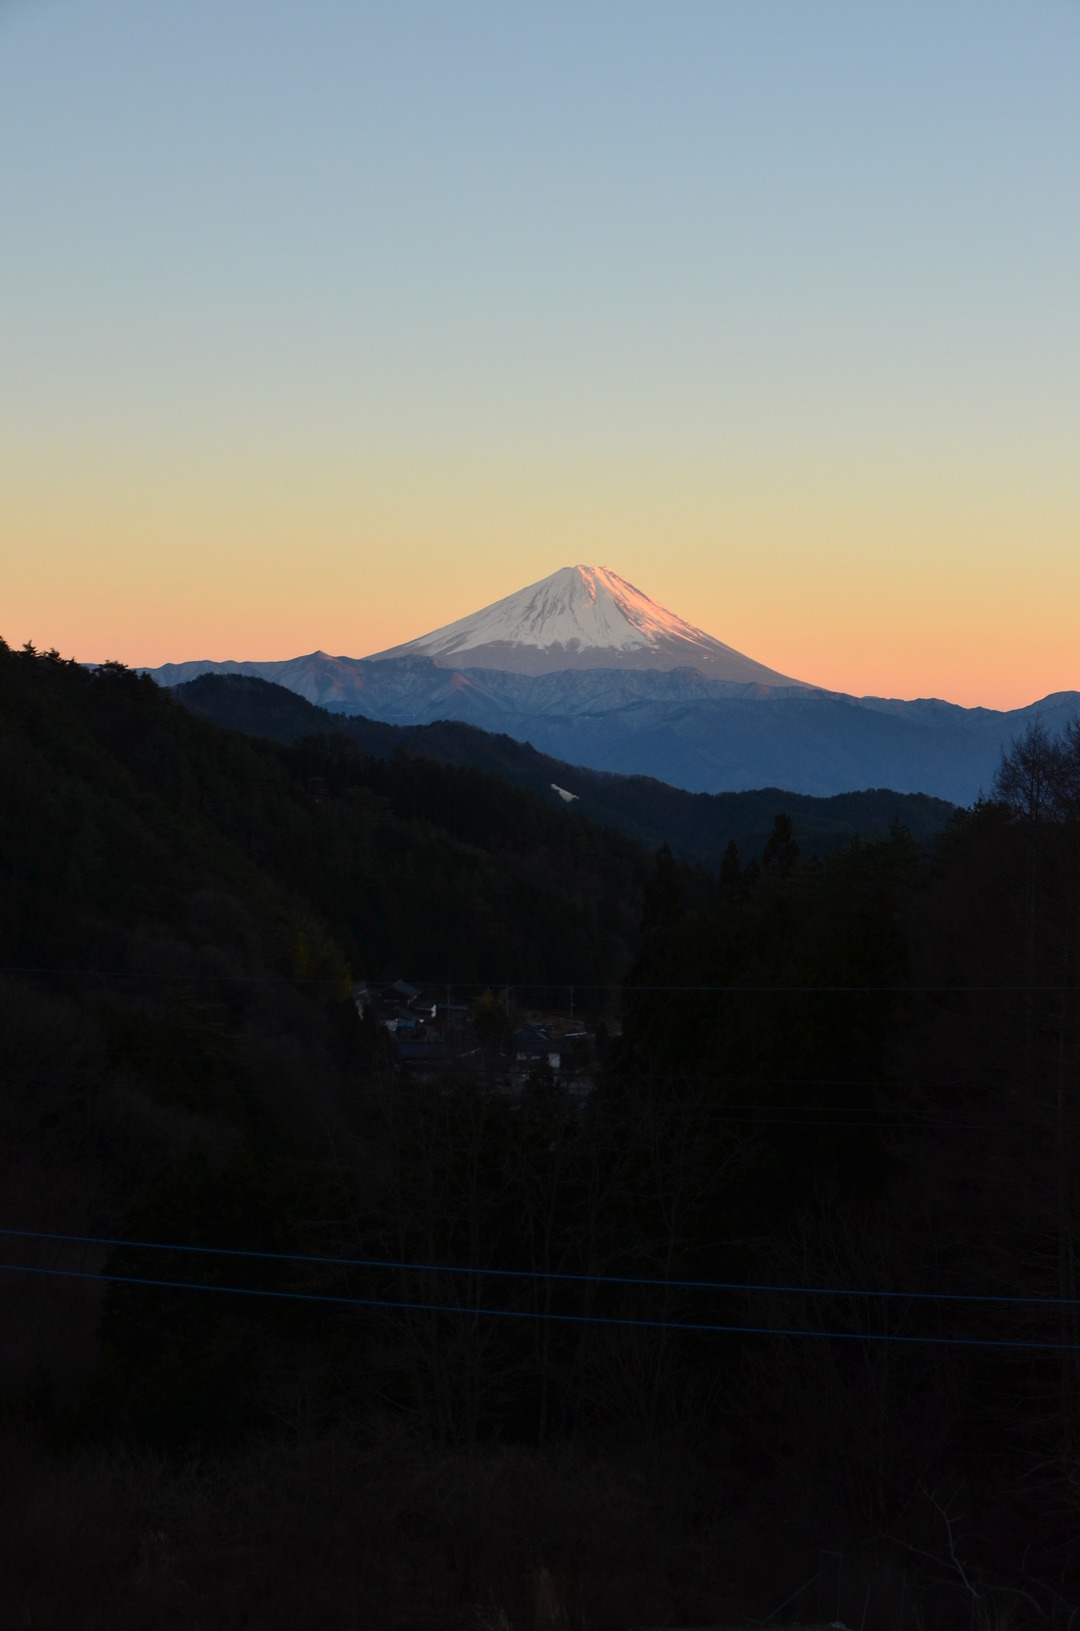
(323, 324)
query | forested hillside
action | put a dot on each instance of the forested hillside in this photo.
(289, 1333)
(119, 803)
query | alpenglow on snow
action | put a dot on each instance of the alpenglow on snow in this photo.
(581, 617)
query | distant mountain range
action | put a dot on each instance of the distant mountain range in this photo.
(588, 669)
(698, 826)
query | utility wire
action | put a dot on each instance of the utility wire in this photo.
(226, 1059)
(868, 1117)
(541, 1274)
(612, 986)
(694, 1328)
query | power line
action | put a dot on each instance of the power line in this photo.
(141, 974)
(541, 1274)
(611, 986)
(226, 1058)
(693, 1328)
(868, 1117)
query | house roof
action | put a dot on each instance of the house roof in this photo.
(402, 988)
(533, 1039)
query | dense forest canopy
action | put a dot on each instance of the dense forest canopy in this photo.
(118, 803)
(796, 1277)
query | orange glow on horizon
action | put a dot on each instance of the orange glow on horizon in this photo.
(864, 589)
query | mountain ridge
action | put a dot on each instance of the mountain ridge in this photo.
(581, 617)
(701, 735)
(588, 669)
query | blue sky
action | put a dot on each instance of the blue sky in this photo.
(724, 295)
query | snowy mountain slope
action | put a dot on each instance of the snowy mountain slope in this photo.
(408, 689)
(578, 618)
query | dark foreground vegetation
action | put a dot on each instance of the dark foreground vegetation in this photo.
(516, 1406)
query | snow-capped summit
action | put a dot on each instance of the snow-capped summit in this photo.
(582, 617)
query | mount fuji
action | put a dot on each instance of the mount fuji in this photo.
(582, 617)
(593, 672)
